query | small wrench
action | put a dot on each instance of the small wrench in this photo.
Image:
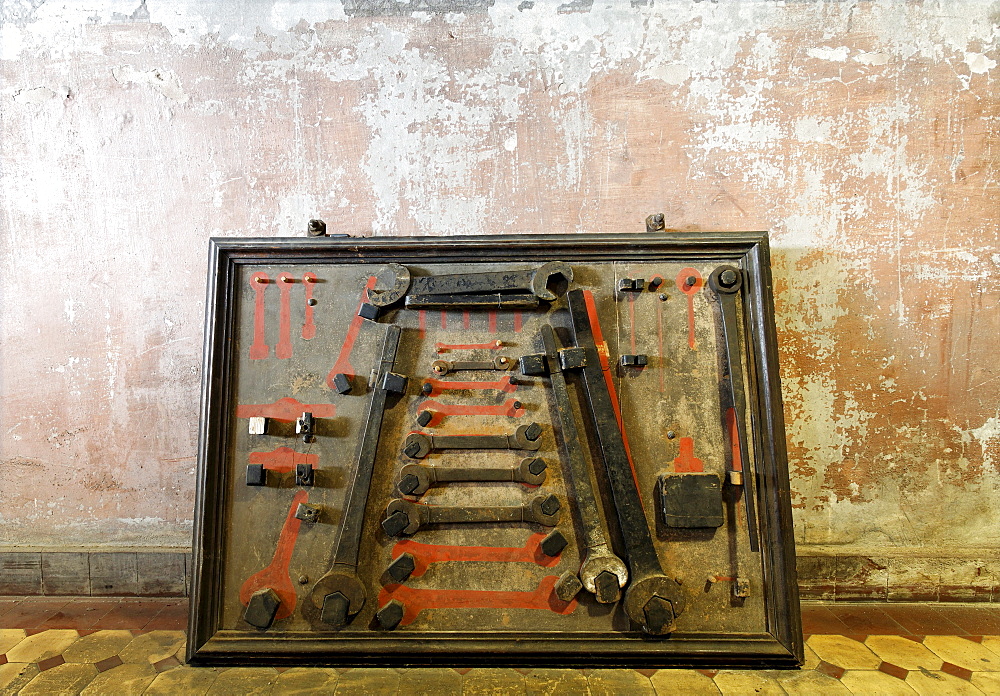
(526, 437)
(406, 517)
(443, 367)
(415, 479)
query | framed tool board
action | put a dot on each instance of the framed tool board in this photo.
(509, 450)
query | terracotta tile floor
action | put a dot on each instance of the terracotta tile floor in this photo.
(136, 646)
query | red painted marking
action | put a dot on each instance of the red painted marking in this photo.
(492, 345)
(437, 386)
(659, 341)
(275, 575)
(631, 321)
(441, 410)
(343, 364)
(734, 438)
(422, 316)
(466, 319)
(425, 554)
(602, 354)
(285, 409)
(686, 461)
(415, 601)
(284, 348)
(283, 459)
(518, 322)
(259, 350)
(444, 319)
(723, 578)
(493, 320)
(309, 327)
(690, 291)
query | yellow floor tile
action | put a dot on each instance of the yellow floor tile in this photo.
(9, 637)
(129, 678)
(374, 680)
(42, 646)
(244, 681)
(152, 647)
(14, 675)
(97, 646)
(928, 683)
(874, 683)
(69, 678)
(844, 652)
(190, 681)
(738, 682)
(987, 682)
(492, 681)
(426, 681)
(811, 658)
(682, 681)
(811, 684)
(964, 653)
(992, 643)
(903, 652)
(306, 681)
(609, 682)
(555, 682)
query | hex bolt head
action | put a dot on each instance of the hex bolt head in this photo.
(317, 228)
(658, 218)
(550, 505)
(517, 405)
(536, 466)
(659, 613)
(728, 278)
(342, 383)
(395, 523)
(412, 449)
(655, 282)
(554, 543)
(690, 281)
(424, 417)
(303, 579)
(426, 389)
(390, 615)
(401, 568)
(663, 297)
(408, 484)
(533, 431)
(334, 613)
(671, 434)
(606, 587)
(311, 302)
(568, 586)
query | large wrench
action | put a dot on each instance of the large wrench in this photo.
(726, 282)
(415, 479)
(543, 282)
(652, 599)
(406, 517)
(526, 437)
(339, 594)
(602, 572)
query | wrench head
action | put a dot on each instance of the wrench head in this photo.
(551, 280)
(522, 439)
(411, 513)
(654, 603)
(391, 283)
(414, 479)
(531, 471)
(726, 280)
(418, 446)
(544, 509)
(440, 367)
(596, 564)
(339, 595)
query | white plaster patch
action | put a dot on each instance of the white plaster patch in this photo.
(838, 54)
(871, 58)
(10, 42)
(979, 63)
(34, 95)
(811, 129)
(672, 74)
(165, 82)
(510, 144)
(986, 435)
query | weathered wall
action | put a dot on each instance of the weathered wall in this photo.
(862, 134)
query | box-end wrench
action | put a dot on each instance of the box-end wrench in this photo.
(407, 517)
(602, 572)
(544, 283)
(526, 437)
(726, 282)
(339, 594)
(415, 479)
(653, 600)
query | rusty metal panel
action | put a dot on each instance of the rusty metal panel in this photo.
(452, 450)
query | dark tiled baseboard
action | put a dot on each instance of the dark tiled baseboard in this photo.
(114, 573)
(829, 578)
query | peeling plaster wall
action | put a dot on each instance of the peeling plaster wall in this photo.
(864, 135)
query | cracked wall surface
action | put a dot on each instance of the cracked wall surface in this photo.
(863, 135)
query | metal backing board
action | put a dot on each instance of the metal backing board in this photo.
(341, 519)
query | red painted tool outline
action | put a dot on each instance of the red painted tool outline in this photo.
(283, 459)
(309, 326)
(686, 461)
(444, 347)
(505, 384)
(259, 350)
(426, 554)
(416, 600)
(343, 363)
(275, 575)
(283, 351)
(285, 409)
(690, 291)
(440, 410)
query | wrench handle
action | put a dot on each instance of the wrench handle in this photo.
(448, 474)
(458, 515)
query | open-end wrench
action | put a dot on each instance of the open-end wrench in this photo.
(526, 437)
(415, 479)
(406, 517)
(423, 555)
(653, 600)
(602, 572)
(443, 367)
(495, 300)
(726, 282)
(543, 283)
(339, 594)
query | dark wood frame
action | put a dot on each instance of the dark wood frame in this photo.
(781, 647)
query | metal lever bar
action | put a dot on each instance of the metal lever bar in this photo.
(726, 282)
